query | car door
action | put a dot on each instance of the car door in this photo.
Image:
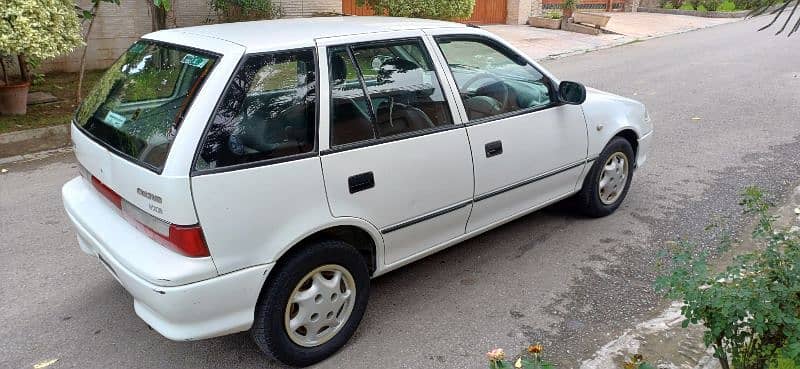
(256, 180)
(528, 149)
(396, 156)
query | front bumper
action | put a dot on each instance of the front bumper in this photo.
(643, 148)
(207, 308)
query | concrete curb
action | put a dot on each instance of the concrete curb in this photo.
(624, 41)
(696, 13)
(33, 140)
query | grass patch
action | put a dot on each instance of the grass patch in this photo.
(61, 85)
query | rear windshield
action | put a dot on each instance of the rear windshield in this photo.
(137, 106)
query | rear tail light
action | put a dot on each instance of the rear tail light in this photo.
(185, 240)
(107, 192)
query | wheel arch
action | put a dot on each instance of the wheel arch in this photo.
(358, 233)
(627, 132)
(631, 136)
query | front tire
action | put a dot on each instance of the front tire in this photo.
(608, 180)
(313, 304)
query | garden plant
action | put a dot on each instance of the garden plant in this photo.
(531, 359)
(30, 32)
(751, 309)
(433, 9)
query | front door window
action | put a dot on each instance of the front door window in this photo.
(491, 79)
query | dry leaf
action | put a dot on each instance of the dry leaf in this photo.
(45, 364)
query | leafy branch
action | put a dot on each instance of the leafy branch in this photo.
(778, 8)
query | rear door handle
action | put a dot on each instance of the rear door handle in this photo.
(494, 148)
(361, 182)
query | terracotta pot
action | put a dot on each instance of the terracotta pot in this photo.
(567, 13)
(14, 99)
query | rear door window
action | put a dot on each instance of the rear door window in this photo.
(267, 112)
(384, 89)
(137, 106)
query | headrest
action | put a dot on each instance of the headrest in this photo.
(338, 68)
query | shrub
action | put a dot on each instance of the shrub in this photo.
(746, 4)
(38, 30)
(692, 3)
(711, 5)
(245, 10)
(751, 310)
(676, 4)
(433, 9)
(553, 15)
(726, 6)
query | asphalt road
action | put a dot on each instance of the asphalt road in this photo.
(570, 282)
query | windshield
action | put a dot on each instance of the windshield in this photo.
(137, 106)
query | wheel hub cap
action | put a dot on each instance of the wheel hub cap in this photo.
(319, 305)
(613, 177)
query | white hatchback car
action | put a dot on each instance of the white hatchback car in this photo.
(255, 176)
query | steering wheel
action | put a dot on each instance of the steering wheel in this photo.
(486, 75)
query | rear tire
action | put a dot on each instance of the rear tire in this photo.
(608, 180)
(336, 278)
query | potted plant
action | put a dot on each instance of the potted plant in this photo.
(551, 20)
(567, 7)
(13, 94)
(32, 31)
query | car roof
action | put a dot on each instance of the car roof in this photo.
(266, 33)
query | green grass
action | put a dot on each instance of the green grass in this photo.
(62, 86)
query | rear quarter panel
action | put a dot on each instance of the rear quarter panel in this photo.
(253, 216)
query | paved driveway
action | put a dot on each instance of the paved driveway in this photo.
(627, 27)
(553, 277)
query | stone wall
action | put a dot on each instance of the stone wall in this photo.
(650, 4)
(117, 27)
(518, 11)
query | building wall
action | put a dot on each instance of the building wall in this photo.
(117, 27)
(519, 11)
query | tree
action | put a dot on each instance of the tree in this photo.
(89, 15)
(158, 12)
(433, 9)
(35, 30)
(244, 10)
(777, 8)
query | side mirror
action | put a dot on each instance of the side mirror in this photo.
(571, 93)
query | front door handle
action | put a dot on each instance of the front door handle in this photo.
(494, 148)
(361, 182)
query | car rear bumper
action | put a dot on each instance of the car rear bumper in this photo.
(643, 149)
(214, 306)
